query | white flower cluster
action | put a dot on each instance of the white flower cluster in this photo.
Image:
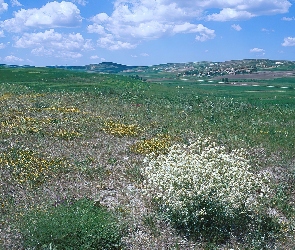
(204, 170)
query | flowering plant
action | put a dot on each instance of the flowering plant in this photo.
(202, 186)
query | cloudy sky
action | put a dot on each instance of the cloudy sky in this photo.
(144, 32)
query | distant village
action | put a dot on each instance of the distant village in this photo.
(235, 67)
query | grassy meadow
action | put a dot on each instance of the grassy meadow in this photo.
(98, 161)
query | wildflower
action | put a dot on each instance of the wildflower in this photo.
(204, 169)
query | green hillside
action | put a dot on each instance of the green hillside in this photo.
(92, 145)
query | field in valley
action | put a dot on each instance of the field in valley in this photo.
(112, 162)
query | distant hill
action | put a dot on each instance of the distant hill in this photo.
(104, 67)
(201, 69)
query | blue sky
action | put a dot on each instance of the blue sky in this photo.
(144, 32)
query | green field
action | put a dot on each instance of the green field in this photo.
(69, 139)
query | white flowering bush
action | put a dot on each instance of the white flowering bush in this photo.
(204, 190)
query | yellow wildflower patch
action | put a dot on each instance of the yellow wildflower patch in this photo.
(66, 134)
(28, 166)
(119, 129)
(5, 96)
(158, 144)
(19, 124)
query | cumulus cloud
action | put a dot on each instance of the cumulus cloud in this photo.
(3, 6)
(53, 14)
(96, 28)
(13, 59)
(236, 27)
(52, 43)
(15, 3)
(244, 9)
(111, 43)
(2, 33)
(257, 50)
(228, 14)
(134, 21)
(204, 32)
(2, 45)
(289, 41)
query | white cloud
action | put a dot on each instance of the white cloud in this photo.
(12, 59)
(2, 45)
(109, 42)
(51, 43)
(289, 41)
(53, 14)
(99, 18)
(228, 14)
(3, 6)
(94, 57)
(236, 27)
(66, 54)
(144, 54)
(234, 10)
(244, 9)
(267, 30)
(204, 33)
(134, 21)
(256, 50)
(96, 28)
(191, 28)
(2, 33)
(81, 2)
(41, 51)
(148, 30)
(288, 18)
(15, 3)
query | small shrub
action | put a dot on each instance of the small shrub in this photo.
(77, 225)
(207, 192)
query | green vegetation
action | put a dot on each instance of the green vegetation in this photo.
(209, 193)
(77, 225)
(110, 138)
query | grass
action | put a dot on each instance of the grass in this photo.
(72, 134)
(72, 225)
